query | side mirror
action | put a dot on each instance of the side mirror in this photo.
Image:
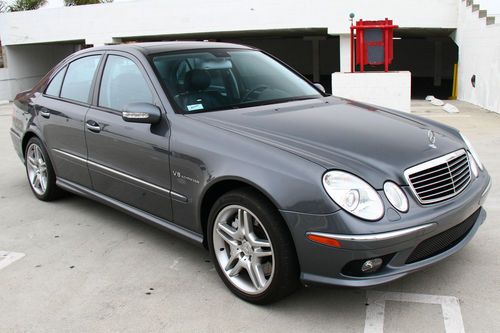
(320, 87)
(141, 113)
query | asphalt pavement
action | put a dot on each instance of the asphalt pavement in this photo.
(78, 266)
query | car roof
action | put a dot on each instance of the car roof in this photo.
(161, 47)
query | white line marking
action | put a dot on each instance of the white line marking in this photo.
(7, 258)
(445, 115)
(374, 323)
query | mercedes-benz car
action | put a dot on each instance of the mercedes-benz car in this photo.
(230, 148)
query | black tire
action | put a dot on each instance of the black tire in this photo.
(51, 192)
(285, 278)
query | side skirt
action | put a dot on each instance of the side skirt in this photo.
(139, 214)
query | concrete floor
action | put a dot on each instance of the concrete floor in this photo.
(90, 268)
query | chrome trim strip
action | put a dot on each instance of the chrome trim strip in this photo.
(78, 158)
(376, 237)
(433, 163)
(124, 175)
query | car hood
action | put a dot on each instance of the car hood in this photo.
(371, 142)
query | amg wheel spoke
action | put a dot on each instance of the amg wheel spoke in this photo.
(31, 162)
(246, 221)
(232, 261)
(262, 253)
(37, 154)
(228, 230)
(43, 183)
(256, 242)
(36, 181)
(227, 238)
(236, 269)
(256, 274)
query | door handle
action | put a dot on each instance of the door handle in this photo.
(93, 126)
(44, 113)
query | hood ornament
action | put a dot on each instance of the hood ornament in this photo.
(432, 139)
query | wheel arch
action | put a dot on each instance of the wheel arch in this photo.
(219, 188)
(27, 136)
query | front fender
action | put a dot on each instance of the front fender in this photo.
(203, 155)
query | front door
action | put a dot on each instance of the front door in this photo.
(128, 161)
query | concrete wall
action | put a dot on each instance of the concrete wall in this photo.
(98, 24)
(4, 85)
(390, 90)
(27, 64)
(479, 55)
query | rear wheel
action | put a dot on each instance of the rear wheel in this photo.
(41, 176)
(252, 248)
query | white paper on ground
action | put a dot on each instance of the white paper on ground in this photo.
(450, 108)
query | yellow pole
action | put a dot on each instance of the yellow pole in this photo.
(455, 82)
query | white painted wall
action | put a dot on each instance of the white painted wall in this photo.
(492, 6)
(99, 24)
(479, 54)
(391, 90)
(27, 64)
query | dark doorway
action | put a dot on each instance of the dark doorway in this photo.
(430, 56)
(315, 57)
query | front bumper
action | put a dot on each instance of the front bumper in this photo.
(393, 239)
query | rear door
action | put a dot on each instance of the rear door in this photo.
(128, 161)
(61, 114)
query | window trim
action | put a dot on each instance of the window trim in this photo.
(64, 68)
(98, 82)
(92, 81)
(146, 78)
(65, 65)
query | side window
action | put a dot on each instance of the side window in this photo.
(55, 85)
(79, 78)
(122, 83)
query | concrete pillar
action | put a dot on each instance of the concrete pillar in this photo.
(315, 56)
(438, 62)
(345, 53)
(315, 47)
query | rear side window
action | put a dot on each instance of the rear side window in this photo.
(122, 83)
(55, 85)
(79, 78)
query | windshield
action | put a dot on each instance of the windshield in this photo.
(219, 79)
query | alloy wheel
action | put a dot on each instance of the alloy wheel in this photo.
(37, 169)
(243, 249)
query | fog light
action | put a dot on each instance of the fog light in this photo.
(371, 265)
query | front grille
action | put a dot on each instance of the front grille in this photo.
(441, 178)
(443, 241)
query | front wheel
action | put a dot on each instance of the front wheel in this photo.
(251, 247)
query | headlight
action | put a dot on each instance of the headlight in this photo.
(396, 196)
(472, 151)
(473, 165)
(354, 195)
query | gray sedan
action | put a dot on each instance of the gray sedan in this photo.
(233, 150)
